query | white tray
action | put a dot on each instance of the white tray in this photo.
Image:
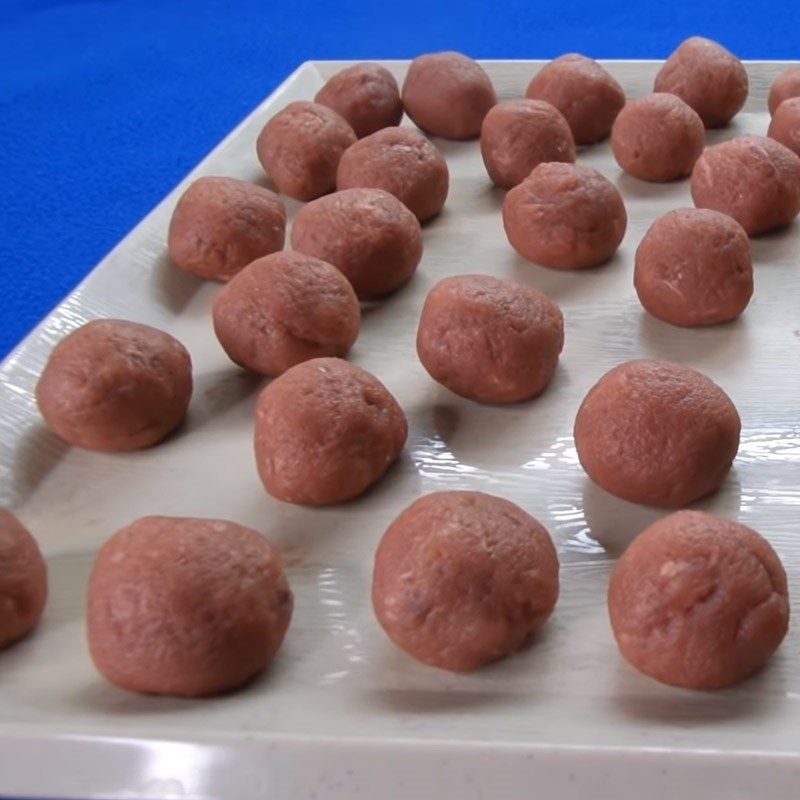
(342, 714)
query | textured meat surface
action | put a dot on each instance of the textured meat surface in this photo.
(366, 233)
(657, 138)
(402, 162)
(220, 225)
(585, 93)
(753, 179)
(699, 602)
(708, 77)
(518, 135)
(325, 432)
(657, 433)
(185, 606)
(300, 148)
(694, 267)
(365, 95)
(464, 578)
(490, 340)
(565, 216)
(23, 580)
(115, 385)
(448, 95)
(284, 309)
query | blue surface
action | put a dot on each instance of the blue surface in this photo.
(104, 106)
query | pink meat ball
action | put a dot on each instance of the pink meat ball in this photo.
(698, 602)
(464, 578)
(785, 124)
(786, 85)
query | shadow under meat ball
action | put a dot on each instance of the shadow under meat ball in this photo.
(694, 267)
(283, 309)
(365, 95)
(220, 225)
(448, 95)
(707, 77)
(518, 135)
(402, 162)
(114, 385)
(657, 433)
(325, 432)
(698, 602)
(753, 179)
(786, 85)
(785, 124)
(462, 579)
(565, 216)
(587, 95)
(23, 580)
(657, 138)
(300, 148)
(368, 234)
(490, 340)
(186, 607)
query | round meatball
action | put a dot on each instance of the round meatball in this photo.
(753, 179)
(366, 233)
(657, 433)
(657, 138)
(186, 607)
(464, 578)
(402, 162)
(23, 580)
(694, 267)
(786, 85)
(707, 77)
(698, 602)
(490, 340)
(300, 148)
(565, 216)
(518, 135)
(114, 385)
(325, 432)
(448, 95)
(785, 124)
(284, 309)
(220, 225)
(585, 93)
(366, 95)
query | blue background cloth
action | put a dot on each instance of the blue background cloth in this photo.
(105, 105)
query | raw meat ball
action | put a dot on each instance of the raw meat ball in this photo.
(186, 607)
(786, 85)
(694, 267)
(708, 77)
(448, 95)
(300, 148)
(464, 578)
(115, 385)
(325, 432)
(220, 225)
(698, 602)
(366, 233)
(657, 433)
(402, 162)
(365, 95)
(753, 179)
(657, 138)
(23, 580)
(565, 216)
(283, 309)
(585, 93)
(518, 135)
(490, 340)
(785, 124)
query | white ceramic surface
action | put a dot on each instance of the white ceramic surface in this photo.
(342, 713)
